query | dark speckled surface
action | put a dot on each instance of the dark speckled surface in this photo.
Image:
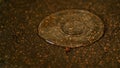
(22, 47)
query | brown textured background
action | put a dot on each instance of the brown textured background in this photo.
(21, 46)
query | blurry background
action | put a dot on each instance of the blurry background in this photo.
(22, 47)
